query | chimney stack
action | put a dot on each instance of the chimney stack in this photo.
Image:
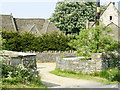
(113, 3)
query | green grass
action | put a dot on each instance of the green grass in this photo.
(11, 83)
(71, 74)
(21, 86)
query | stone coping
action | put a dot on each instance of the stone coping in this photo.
(15, 54)
(72, 58)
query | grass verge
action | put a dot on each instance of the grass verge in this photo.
(71, 74)
(10, 84)
(21, 86)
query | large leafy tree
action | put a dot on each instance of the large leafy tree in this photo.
(70, 17)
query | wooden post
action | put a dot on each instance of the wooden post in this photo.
(97, 23)
(97, 12)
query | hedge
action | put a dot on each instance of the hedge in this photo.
(16, 41)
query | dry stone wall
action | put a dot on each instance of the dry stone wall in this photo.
(28, 60)
(98, 62)
(50, 56)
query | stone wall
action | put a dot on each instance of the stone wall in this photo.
(50, 56)
(98, 62)
(28, 60)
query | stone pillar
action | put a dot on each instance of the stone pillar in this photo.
(97, 57)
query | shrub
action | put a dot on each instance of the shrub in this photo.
(18, 74)
(29, 42)
(95, 40)
(111, 74)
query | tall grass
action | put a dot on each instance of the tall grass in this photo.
(109, 76)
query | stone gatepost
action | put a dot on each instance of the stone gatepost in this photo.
(98, 59)
(28, 60)
(79, 65)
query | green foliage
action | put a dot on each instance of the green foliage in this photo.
(102, 8)
(19, 74)
(112, 59)
(55, 41)
(70, 17)
(110, 74)
(0, 42)
(29, 42)
(10, 37)
(95, 40)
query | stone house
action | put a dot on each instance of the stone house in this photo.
(110, 17)
(32, 25)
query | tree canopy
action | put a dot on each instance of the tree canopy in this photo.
(70, 17)
(95, 40)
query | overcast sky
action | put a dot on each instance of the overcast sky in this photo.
(33, 8)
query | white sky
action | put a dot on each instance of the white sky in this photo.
(33, 8)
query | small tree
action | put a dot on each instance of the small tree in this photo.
(94, 40)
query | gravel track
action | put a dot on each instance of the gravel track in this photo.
(55, 81)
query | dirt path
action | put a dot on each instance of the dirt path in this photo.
(62, 82)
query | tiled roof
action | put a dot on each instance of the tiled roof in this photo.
(26, 24)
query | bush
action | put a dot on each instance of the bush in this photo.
(95, 40)
(29, 42)
(111, 74)
(18, 74)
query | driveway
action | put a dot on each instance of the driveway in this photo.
(54, 81)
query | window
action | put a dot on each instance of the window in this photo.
(110, 17)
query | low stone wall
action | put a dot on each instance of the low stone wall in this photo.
(83, 66)
(28, 60)
(50, 56)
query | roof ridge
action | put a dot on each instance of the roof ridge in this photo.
(5, 14)
(108, 6)
(45, 26)
(13, 22)
(31, 18)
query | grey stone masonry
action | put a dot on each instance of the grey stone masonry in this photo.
(28, 60)
(50, 56)
(97, 63)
